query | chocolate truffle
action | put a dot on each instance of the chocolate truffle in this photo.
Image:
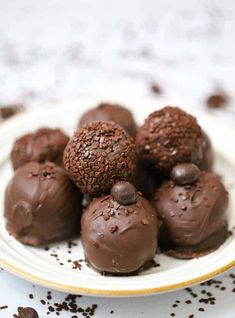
(110, 112)
(169, 136)
(98, 155)
(206, 164)
(42, 145)
(42, 204)
(27, 312)
(119, 238)
(193, 216)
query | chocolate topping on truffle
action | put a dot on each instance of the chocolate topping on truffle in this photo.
(185, 173)
(42, 204)
(119, 239)
(110, 112)
(98, 155)
(193, 216)
(40, 146)
(27, 312)
(124, 193)
(169, 136)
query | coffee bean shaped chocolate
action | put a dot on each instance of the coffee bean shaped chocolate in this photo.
(124, 193)
(185, 173)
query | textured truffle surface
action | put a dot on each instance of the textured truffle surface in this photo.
(98, 155)
(193, 216)
(119, 239)
(169, 136)
(111, 112)
(206, 164)
(42, 204)
(40, 146)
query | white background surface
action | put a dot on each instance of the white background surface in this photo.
(57, 49)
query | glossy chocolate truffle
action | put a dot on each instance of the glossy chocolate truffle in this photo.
(27, 312)
(42, 204)
(193, 216)
(98, 155)
(117, 238)
(169, 136)
(206, 164)
(40, 146)
(110, 112)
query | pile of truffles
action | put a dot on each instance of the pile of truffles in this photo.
(130, 192)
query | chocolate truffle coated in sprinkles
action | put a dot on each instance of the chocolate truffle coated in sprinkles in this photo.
(193, 217)
(119, 239)
(169, 136)
(111, 112)
(98, 155)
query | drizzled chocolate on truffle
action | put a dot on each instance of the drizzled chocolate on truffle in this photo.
(98, 155)
(193, 213)
(44, 144)
(169, 136)
(110, 112)
(42, 204)
(119, 237)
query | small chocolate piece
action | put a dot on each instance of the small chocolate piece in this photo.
(194, 221)
(8, 111)
(124, 193)
(169, 136)
(155, 88)
(119, 239)
(42, 204)
(98, 155)
(42, 145)
(217, 100)
(185, 173)
(110, 112)
(27, 312)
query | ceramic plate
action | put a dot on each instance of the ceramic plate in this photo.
(51, 266)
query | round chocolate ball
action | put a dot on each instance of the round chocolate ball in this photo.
(40, 146)
(185, 173)
(124, 193)
(119, 239)
(98, 155)
(169, 136)
(42, 204)
(194, 221)
(110, 112)
(27, 312)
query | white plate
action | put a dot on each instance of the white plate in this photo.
(37, 265)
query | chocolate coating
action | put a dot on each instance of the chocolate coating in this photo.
(124, 193)
(98, 155)
(42, 145)
(169, 136)
(110, 112)
(119, 239)
(27, 312)
(185, 173)
(193, 216)
(206, 164)
(42, 204)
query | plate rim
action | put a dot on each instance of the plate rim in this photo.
(103, 292)
(114, 293)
